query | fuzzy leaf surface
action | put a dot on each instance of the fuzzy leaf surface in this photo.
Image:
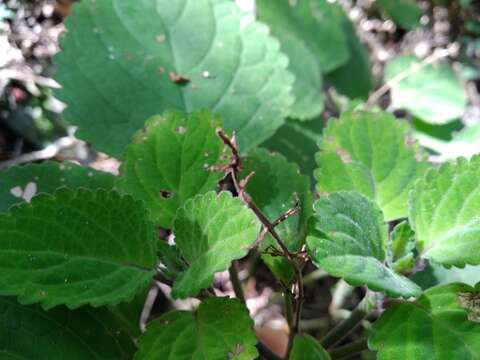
(220, 329)
(311, 34)
(123, 62)
(348, 240)
(76, 247)
(21, 183)
(28, 332)
(210, 232)
(440, 325)
(372, 153)
(445, 213)
(171, 162)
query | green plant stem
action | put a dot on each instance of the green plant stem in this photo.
(237, 285)
(344, 328)
(290, 320)
(348, 350)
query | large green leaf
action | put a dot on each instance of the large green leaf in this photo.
(210, 231)
(435, 327)
(307, 348)
(28, 332)
(354, 78)
(76, 247)
(172, 162)
(431, 92)
(125, 61)
(445, 213)
(273, 190)
(404, 13)
(348, 240)
(311, 34)
(297, 141)
(20, 183)
(220, 329)
(371, 153)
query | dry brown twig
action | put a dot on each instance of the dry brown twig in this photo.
(232, 170)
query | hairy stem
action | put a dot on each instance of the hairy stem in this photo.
(344, 328)
(237, 285)
(348, 350)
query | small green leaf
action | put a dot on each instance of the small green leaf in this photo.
(123, 62)
(348, 240)
(307, 347)
(445, 213)
(311, 34)
(171, 162)
(220, 329)
(401, 246)
(435, 327)
(404, 13)
(20, 183)
(211, 231)
(29, 333)
(373, 153)
(274, 189)
(431, 92)
(76, 247)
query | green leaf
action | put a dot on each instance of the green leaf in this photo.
(432, 92)
(348, 240)
(123, 62)
(307, 347)
(445, 213)
(76, 247)
(171, 162)
(28, 332)
(297, 141)
(433, 275)
(220, 329)
(435, 327)
(370, 152)
(20, 183)
(354, 78)
(401, 246)
(171, 262)
(404, 13)
(273, 190)
(311, 34)
(211, 231)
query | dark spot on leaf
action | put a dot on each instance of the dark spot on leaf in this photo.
(165, 194)
(178, 79)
